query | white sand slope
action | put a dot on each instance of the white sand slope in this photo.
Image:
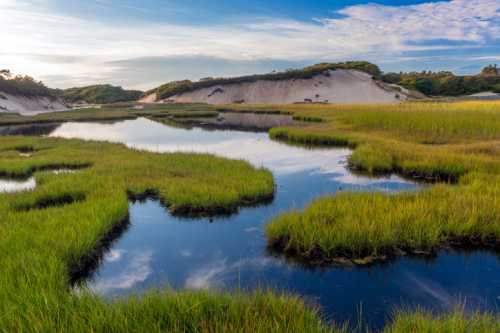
(488, 95)
(29, 105)
(339, 86)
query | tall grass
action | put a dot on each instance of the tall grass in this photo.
(451, 142)
(457, 321)
(434, 123)
(414, 122)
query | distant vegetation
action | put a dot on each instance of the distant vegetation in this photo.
(442, 83)
(446, 83)
(23, 85)
(179, 87)
(100, 94)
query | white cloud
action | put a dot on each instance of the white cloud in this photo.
(207, 277)
(10, 186)
(214, 273)
(114, 255)
(52, 46)
(485, 58)
(137, 270)
(371, 26)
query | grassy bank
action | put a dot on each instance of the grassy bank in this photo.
(121, 111)
(450, 142)
(374, 226)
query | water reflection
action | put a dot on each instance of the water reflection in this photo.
(242, 121)
(20, 185)
(256, 148)
(160, 250)
(11, 186)
(29, 129)
(137, 269)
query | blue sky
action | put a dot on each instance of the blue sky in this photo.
(199, 12)
(140, 44)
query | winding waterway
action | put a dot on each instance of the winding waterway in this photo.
(227, 253)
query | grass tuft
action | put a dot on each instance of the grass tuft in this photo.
(457, 321)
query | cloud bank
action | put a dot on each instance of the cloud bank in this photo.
(71, 50)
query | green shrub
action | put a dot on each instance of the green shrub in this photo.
(23, 86)
(444, 83)
(100, 94)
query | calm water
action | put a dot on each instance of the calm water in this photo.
(11, 186)
(28, 184)
(243, 121)
(227, 253)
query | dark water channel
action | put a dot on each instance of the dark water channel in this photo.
(228, 253)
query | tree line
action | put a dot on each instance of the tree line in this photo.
(445, 83)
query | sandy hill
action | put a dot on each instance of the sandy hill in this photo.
(29, 104)
(23, 94)
(330, 86)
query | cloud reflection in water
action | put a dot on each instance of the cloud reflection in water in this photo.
(137, 270)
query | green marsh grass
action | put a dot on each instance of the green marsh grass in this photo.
(457, 143)
(457, 321)
(363, 226)
(42, 244)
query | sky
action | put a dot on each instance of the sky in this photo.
(141, 44)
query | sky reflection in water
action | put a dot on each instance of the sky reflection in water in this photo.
(11, 186)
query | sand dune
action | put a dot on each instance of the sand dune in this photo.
(29, 105)
(339, 86)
